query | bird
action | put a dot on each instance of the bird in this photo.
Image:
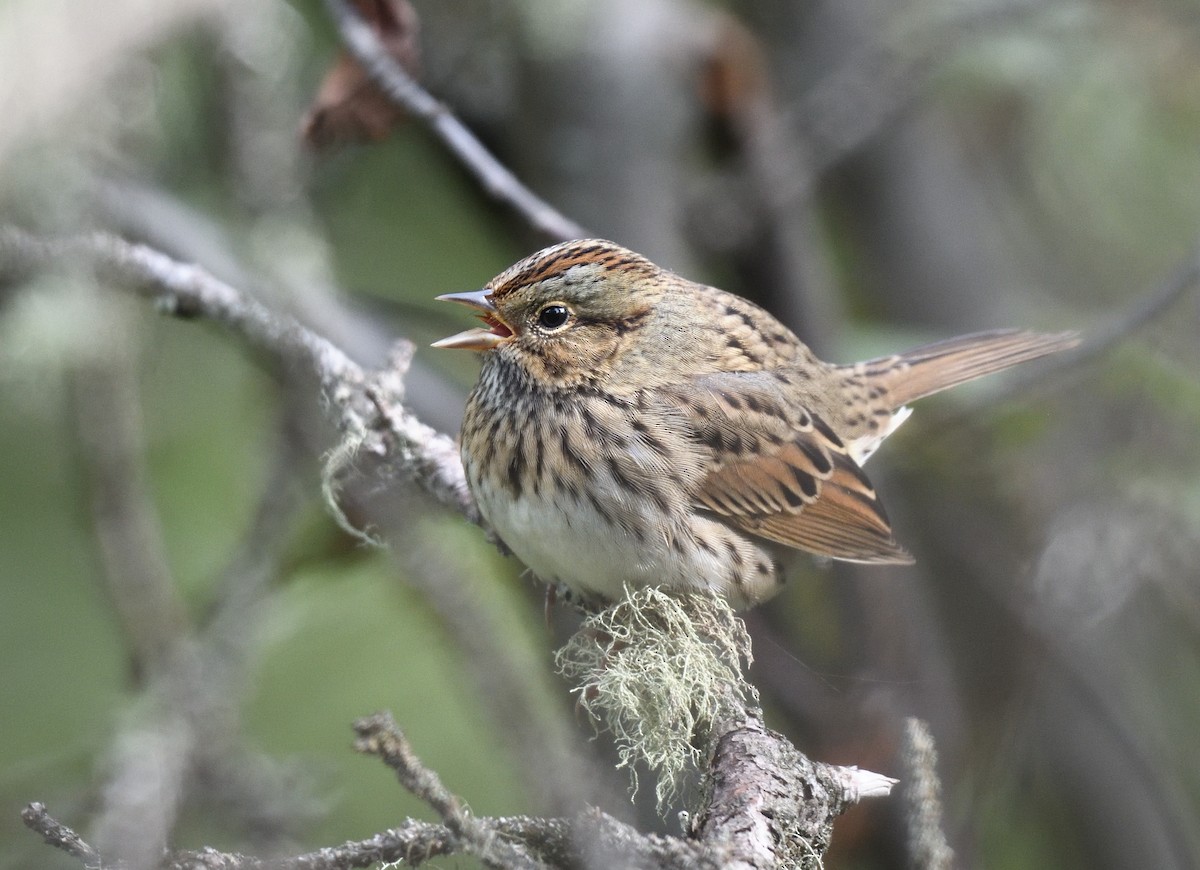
(631, 428)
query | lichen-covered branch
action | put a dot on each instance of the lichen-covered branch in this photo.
(413, 843)
(770, 806)
(663, 674)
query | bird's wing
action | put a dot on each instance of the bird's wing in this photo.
(780, 472)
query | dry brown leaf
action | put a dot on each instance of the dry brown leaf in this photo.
(734, 76)
(349, 107)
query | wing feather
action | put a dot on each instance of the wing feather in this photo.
(783, 474)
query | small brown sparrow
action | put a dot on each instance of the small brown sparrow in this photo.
(631, 428)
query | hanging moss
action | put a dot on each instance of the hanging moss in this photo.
(657, 670)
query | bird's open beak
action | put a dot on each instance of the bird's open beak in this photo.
(496, 334)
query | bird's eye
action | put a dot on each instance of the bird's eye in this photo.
(553, 316)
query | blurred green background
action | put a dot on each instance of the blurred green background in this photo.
(878, 176)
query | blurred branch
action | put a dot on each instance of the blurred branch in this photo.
(186, 736)
(149, 765)
(788, 149)
(247, 786)
(1145, 308)
(400, 87)
(58, 835)
(1073, 669)
(137, 577)
(876, 84)
(928, 849)
(246, 579)
(187, 741)
(525, 705)
(786, 256)
(367, 404)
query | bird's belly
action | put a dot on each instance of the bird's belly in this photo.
(578, 546)
(583, 546)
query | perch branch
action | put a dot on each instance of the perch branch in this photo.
(368, 404)
(403, 90)
(756, 812)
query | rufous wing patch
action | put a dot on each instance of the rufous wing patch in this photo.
(807, 493)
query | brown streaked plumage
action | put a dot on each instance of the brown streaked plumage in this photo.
(633, 428)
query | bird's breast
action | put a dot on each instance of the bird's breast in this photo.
(585, 488)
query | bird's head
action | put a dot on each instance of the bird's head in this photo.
(567, 314)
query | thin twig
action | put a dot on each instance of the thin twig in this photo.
(1145, 308)
(379, 735)
(1182, 278)
(400, 87)
(58, 835)
(412, 844)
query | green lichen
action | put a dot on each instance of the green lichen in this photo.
(657, 670)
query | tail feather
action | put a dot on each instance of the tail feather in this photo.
(934, 367)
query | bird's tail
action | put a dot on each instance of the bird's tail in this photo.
(934, 367)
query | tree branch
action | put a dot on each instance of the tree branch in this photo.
(761, 782)
(928, 849)
(58, 835)
(413, 843)
(770, 805)
(370, 410)
(368, 404)
(378, 735)
(403, 90)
